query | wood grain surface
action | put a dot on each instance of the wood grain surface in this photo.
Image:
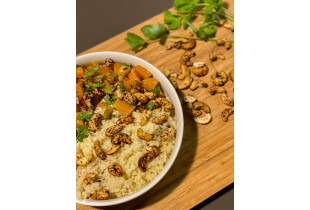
(205, 163)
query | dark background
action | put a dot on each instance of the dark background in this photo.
(99, 20)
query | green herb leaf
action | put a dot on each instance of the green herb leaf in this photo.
(113, 75)
(92, 72)
(125, 64)
(99, 76)
(114, 116)
(185, 6)
(155, 90)
(136, 42)
(87, 88)
(105, 114)
(108, 90)
(154, 31)
(172, 20)
(186, 19)
(216, 4)
(122, 86)
(150, 105)
(85, 115)
(107, 99)
(83, 134)
(96, 85)
(206, 32)
(80, 129)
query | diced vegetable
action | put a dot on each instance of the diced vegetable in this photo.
(104, 70)
(123, 108)
(79, 122)
(133, 75)
(149, 83)
(143, 72)
(79, 72)
(79, 90)
(132, 84)
(116, 67)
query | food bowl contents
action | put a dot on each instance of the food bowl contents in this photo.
(125, 128)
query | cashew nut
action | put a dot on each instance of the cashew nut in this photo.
(154, 151)
(142, 162)
(226, 100)
(198, 105)
(115, 169)
(121, 138)
(189, 109)
(141, 97)
(199, 64)
(185, 72)
(220, 78)
(156, 110)
(188, 44)
(99, 151)
(221, 42)
(228, 45)
(217, 89)
(122, 72)
(185, 59)
(150, 95)
(125, 121)
(200, 71)
(229, 26)
(174, 84)
(100, 195)
(189, 99)
(113, 130)
(168, 134)
(108, 62)
(226, 113)
(231, 75)
(161, 119)
(114, 149)
(164, 102)
(94, 122)
(146, 114)
(89, 178)
(216, 55)
(186, 83)
(197, 83)
(83, 160)
(203, 120)
(168, 72)
(129, 98)
(88, 98)
(145, 136)
(152, 143)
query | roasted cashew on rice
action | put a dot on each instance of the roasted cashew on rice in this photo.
(113, 130)
(143, 135)
(83, 160)
(115, 169)
(94, 121)
(146, 114)
(141, 97)
(160, 119)
(168, 134)
(150, 155)
(99, 151)
(89, 178)
(125, 120)
(164, 102)
(100, 194)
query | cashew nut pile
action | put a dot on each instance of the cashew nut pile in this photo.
(194, 107)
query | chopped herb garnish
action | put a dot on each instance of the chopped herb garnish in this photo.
(108, 90)
(107, 100)
(113, 75)
(92, 72)
(105, 114)
(114, 98)
(155, 90)
(87, 88)
(150, 105)
(114, 116)
(121, 85)
(99, 77)
(98, 84)
(85, 115)
(82, 133)
(125, 64)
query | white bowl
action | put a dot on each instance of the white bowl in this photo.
(172, 96)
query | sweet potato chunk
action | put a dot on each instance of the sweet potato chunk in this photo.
(123, 108)
(131, 84)
(143, 72)
(79, 90)
(79, 72)
(149, 83)
(133, 75)
(116, 67)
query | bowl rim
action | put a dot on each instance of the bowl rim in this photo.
(178, 140)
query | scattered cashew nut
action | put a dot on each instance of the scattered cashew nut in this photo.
(219, 79)
(83, 160)
(186, 83)
(99, 151)
(217, 89)
(115, 169)
(143, 135)
(185, 72)
(226, 113)
(203, 120)
(200, 72)
(226, 100)
(146, 114)
(160, 119)
(197, 83)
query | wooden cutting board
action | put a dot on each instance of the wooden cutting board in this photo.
(205, 163)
